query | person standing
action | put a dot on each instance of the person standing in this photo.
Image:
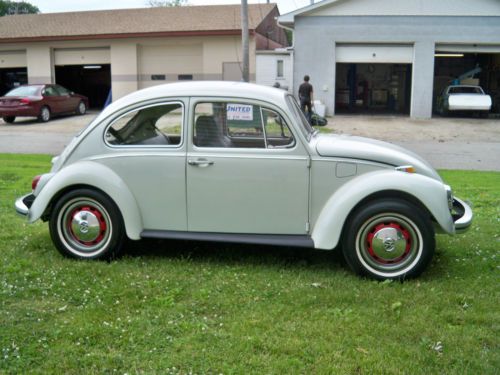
(306, 97)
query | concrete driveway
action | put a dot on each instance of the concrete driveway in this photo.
(447, 143)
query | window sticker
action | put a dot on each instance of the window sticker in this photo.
(239, 112)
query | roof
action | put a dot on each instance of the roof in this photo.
(161, 21)
(464, 8)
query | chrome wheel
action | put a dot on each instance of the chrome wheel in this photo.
(84, 226)
(389, 244)
(82, 108)
(44, 114)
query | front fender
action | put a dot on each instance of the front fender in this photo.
(431, 193)
(95, 175)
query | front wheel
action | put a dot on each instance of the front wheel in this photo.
(389, 239)
(86, 224)
(9, 119)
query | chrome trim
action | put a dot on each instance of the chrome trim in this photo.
(464, 221)
(403, 168)
(21, 207)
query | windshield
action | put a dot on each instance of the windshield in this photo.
(24, 91)
(304, 125)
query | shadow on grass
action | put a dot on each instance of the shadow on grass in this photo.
(231, 253)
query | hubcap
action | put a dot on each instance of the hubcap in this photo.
(45, 114)
(81, 108)
(389, 244)
(87, 225)
(84, 226)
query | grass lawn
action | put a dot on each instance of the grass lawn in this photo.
(180, 307)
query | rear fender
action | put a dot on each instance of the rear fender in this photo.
(430, 193)
(93, 175)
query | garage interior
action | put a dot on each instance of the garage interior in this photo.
(11, 78)
(375, 88)
(466, 68)
(93, 81)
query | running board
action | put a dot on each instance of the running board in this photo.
(259, 239)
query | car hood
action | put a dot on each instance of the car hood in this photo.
(351, 147)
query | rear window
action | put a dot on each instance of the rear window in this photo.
(465, 90)
(24, 91)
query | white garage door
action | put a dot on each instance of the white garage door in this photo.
(82, 56)
(12, 59)
(467, 48)
(358, 53)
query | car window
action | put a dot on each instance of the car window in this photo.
(62, 90)
(157, 125)
(24, 91)
(50, 91)
(239, 125)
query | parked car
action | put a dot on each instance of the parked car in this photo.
(238, 162)
(41, 101)
(463, 98)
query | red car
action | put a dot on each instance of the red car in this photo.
(42, 101)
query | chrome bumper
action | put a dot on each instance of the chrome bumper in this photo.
(24, 203)
(462, 215)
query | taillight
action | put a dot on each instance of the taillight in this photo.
(35, 182)
(25, 101)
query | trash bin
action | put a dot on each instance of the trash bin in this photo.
(319, 108)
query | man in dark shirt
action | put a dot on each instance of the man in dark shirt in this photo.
(306, 97)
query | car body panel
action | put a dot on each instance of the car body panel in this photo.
(464, 98)
(431, 193)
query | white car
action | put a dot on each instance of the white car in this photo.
(238, 162)
(464, 98)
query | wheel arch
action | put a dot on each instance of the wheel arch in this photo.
(95, 176)
(423, 192)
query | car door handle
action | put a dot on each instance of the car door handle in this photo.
(200, 162)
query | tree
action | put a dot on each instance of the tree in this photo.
(8, 7)
(167, 3)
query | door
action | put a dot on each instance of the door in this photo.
(69, 102)
(53, 99)
(246, 172)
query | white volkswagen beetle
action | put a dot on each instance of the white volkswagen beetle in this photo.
(238, 162)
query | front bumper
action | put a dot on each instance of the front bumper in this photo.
(24, 203)
(462, 215)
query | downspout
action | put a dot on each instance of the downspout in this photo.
(292, 49)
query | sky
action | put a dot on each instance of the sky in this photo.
(50, 6)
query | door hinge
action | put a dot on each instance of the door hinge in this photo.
(308, 227)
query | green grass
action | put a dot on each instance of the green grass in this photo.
(181, 307)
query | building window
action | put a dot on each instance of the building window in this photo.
(279, 69)
(185, 77)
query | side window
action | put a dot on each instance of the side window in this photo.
(239, 125)
(157, 125)
(62, 90)
(278, 134)
(50, 91)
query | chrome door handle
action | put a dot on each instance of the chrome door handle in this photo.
(200, 162)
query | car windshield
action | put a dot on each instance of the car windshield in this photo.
(466, 90)
(24, 91)
(305, 127)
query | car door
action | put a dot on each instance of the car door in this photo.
(68, 102)
(53, 99)
(246, 171)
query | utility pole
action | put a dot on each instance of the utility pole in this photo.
(245, 41)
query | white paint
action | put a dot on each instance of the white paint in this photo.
(356, 53)
(12, 59)
(267, 69)
(82, 56)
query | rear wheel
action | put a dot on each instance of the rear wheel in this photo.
(86, 224)
(44, 115)
(389, 239)
(9, 119)
(81, 109)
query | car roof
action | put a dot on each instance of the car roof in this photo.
(198, 88)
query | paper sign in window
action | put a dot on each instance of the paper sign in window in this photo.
(240, 112)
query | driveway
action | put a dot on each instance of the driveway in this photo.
(447, 143)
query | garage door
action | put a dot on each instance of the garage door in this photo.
(82, 56)
(12, 59)
(171, 61)
(356, 53)
(467, 48)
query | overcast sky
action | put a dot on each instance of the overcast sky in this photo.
(50, 6)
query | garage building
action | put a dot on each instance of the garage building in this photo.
(395, 57)
(96, 53)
